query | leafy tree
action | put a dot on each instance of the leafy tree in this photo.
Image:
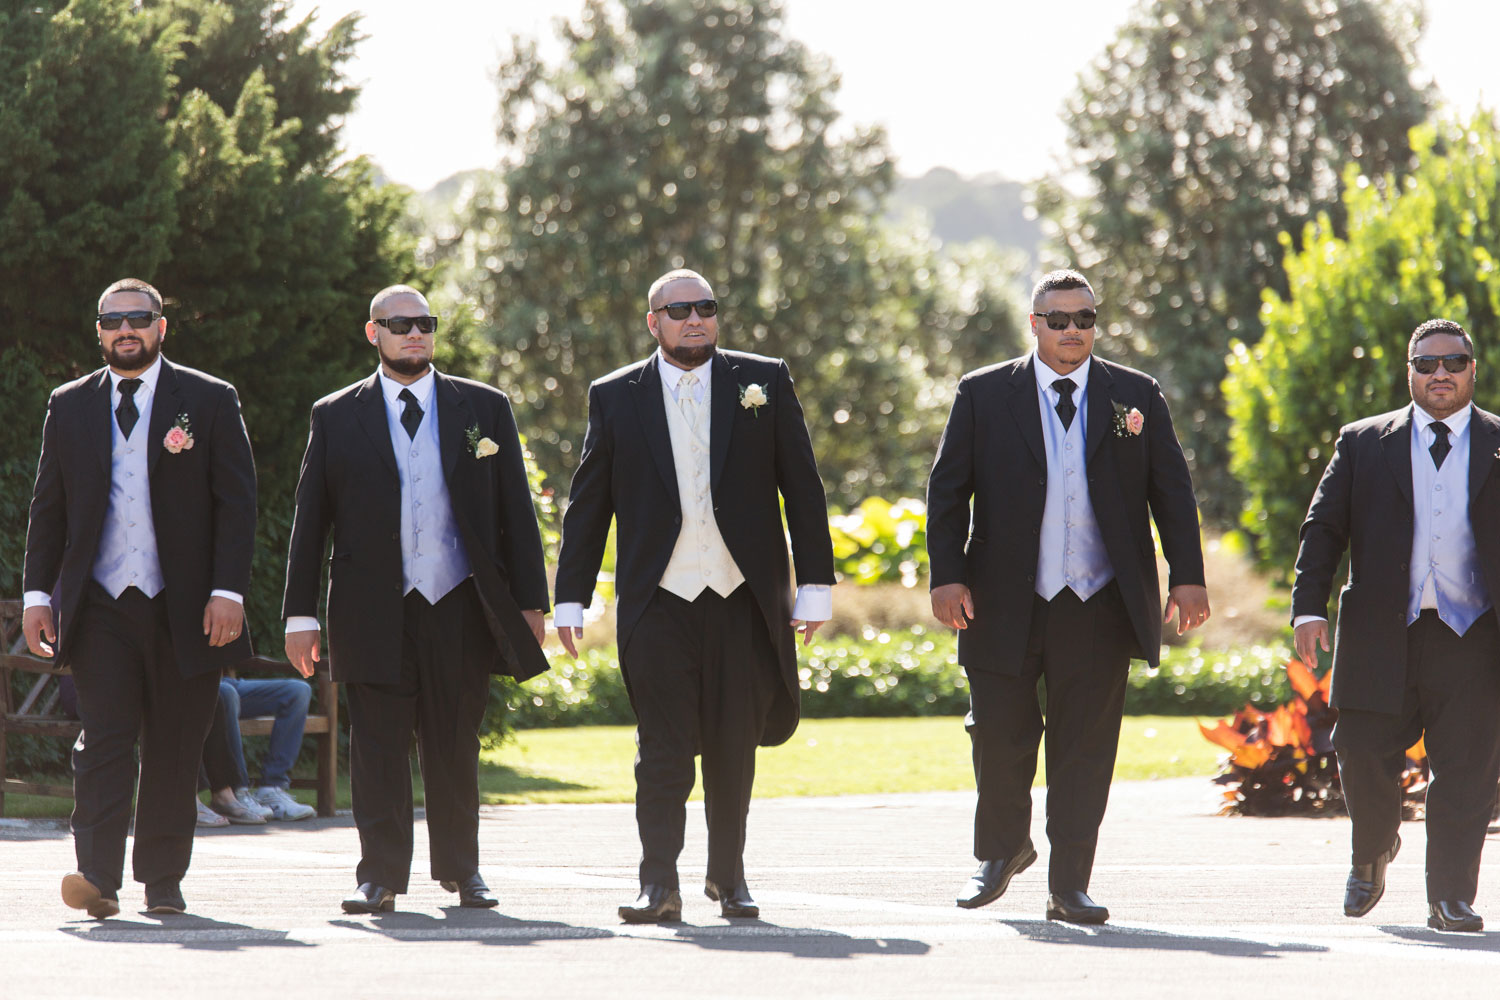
(694, 132)
(1334, 346)
(1205, 129)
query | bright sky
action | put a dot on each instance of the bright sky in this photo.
(972, 85)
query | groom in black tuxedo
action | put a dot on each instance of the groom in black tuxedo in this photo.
(691, 452)
(137, 561)
(436, 580)
(1039, 511)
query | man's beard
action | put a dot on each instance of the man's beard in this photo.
(690, 356)
(140, 362)
(406, 365)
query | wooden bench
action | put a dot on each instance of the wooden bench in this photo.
(34, 710)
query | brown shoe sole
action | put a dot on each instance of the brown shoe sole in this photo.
(81, 894)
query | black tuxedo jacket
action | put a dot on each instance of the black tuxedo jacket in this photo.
(202, 504)
(627, 472)
(349, 485)
(993, 453)
(1364, 504)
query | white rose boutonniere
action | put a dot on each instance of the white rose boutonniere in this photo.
(482, 447)
(753, 397)
(180, 437)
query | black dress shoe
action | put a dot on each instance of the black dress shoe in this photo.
(1075, 907)
(656, 904)
(371, 898)
(993, 878)
(472, 892)
(165, 897)
(736, 903)
(1454, 915)
(1367, 883)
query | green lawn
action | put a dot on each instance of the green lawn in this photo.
(825, 757)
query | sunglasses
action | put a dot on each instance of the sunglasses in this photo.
(680, 310)
(138, 319)
(401, 325)
(1057, 319)
(1426, 364)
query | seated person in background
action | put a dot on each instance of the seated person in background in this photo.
(222, 777)
(285, 698)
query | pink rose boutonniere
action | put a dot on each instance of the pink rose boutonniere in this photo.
(1128, 421)
(180, 437)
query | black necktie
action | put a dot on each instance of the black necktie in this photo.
(1065, 407)
(126, 414)
(411, 416)
(1440, 446)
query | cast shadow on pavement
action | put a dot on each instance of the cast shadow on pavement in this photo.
(478, 926)
(1112, 936)
(1454, 941)
(186, 931)
(758, 936)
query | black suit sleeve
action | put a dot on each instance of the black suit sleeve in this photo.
(1325, 534)
(47, 527)
(310, 522)
(801, 487)
(1169, 488)
(950, 487)
(232, 483)
(520, 540)
(590, 510)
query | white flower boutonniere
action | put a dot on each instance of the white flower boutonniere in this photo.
(180, 437)
(1128, 421)
(482, 447)
(753, 397)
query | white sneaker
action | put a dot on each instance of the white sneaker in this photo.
(281, 804)
(207, 817)
(249, 802)
(236, 812)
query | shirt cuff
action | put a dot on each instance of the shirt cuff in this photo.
(301, 623)
(36, 599)
(236, 598)
(567, 614)
(814, 603)
(1302, 620)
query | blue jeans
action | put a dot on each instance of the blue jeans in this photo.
(287, 700)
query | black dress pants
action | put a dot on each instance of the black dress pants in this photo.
(1451, 701)
(1081, 648)
(702, 676)
(446, 649)
(129, 692)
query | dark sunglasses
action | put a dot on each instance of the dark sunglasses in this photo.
(680, 310)
(1426, 364)
(138, 319)
(1057, 319)
(401, 325)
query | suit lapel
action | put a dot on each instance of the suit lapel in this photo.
(1395, 441)
(652, 411)
(1484, 443)
(164, 410)
(454, 416)
(99, 420)
(1026, 410)
(1101, 407)
(721, 420)
(373, 419)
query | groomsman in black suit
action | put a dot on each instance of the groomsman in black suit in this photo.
(137, 561)
(691, 452)
(1039, 511)
(1413, 497)
(436, 581)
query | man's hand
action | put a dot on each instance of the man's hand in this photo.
(953, 605)
(1190, 601)
(222, 621)
(36, 624)
(1308, 637)
(807, 629)
(537, 622)
(569, 637)
(302, 650)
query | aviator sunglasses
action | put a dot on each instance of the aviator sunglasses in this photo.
(680, 310)
(138, 319)
(401, 325)
(1057, 319)
(1426, 364)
